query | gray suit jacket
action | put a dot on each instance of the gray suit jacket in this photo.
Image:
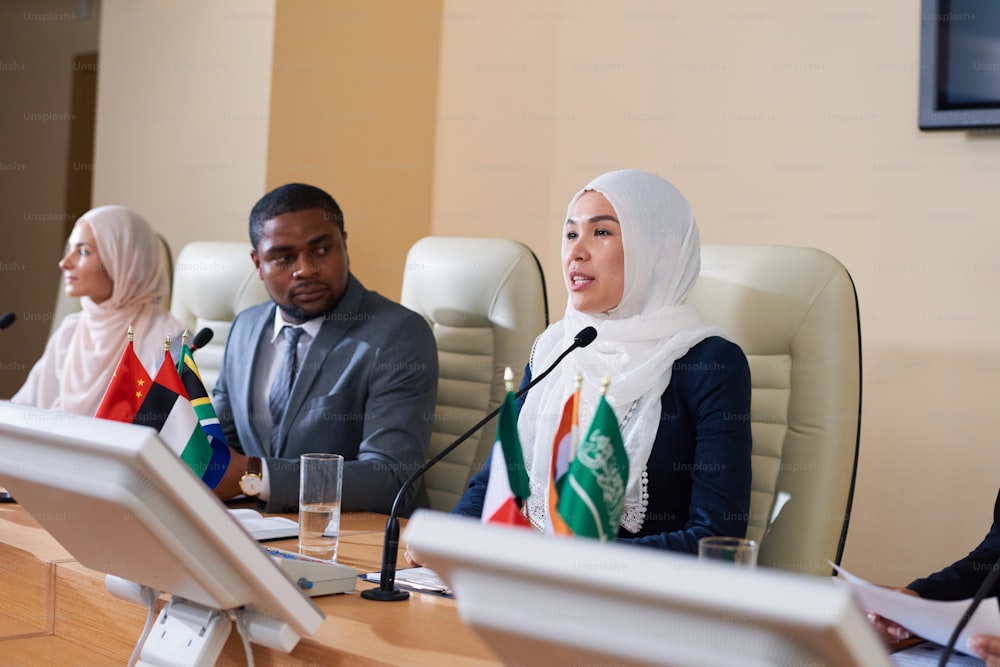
(366, 389)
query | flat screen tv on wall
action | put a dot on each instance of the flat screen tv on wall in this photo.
(959, 64)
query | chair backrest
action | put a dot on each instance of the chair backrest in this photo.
(213, 281)
(485, 301)
(794, 312)
(66, 305)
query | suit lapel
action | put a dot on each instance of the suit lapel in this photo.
(334, 327)
(257, 339)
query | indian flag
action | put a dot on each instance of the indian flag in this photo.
(592, 497)
(508, 486)
(563, 447)
(168, 410)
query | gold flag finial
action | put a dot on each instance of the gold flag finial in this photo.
(184, 338)
(605, 383)
(166, 343)
(131, 334)
(508, 379)
(578, 381)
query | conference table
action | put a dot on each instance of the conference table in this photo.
(55, 611)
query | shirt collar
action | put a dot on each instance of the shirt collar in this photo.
(311, 327)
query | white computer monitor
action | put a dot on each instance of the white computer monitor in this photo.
(539, 600)
(122, 503)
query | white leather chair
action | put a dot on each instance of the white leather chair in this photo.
(213, 281)
(794, 312)
(485, 301)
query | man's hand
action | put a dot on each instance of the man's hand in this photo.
(414, 559)
(889, 630)
(986, 648)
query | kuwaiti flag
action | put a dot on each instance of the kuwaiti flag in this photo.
(508, 485)
(194, 387)
(168, 410)
(563, 447)
(593, 496)
(128, 387)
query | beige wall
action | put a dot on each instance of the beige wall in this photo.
(784, 122)
(38, 41)
(183, 113)
(353, 112)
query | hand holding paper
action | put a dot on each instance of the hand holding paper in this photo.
(933, 620)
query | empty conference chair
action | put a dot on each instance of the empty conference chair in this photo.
(214, 280)
(485, 301)
(794, 312)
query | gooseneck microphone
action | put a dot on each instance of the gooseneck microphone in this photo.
(7, 319)
(983, 590)
(387, 591)
(201, 339)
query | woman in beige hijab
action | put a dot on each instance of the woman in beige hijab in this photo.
(115, 266)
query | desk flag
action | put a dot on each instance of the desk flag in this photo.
(592, 497)
(202, 404)
(507, 487)
(168, 410)
(127, 388)
(563, 448)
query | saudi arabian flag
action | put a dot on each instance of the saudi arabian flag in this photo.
(592, 496)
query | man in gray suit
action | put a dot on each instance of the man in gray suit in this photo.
(327, 366)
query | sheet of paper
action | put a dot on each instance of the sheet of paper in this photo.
(418, 578)
(265, 527)
(928, 654)
(933, 620)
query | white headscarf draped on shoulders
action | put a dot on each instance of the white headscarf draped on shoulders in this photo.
(637, 342)
(78, 363)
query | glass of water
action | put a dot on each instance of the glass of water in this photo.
(320, 481)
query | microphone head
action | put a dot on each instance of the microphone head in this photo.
(6, 320)
(201, 338)
(585, 337)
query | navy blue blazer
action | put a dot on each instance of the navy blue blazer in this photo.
(961, 579)
(699, 468)
(366, 389)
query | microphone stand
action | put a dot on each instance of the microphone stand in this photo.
(387, 591)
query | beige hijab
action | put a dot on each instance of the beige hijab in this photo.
(637, 342)
(77, 365)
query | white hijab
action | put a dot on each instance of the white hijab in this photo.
(637, 342)
(75, 370)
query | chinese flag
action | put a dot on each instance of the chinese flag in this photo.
(127, 389)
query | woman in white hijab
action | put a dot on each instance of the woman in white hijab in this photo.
(680, 389)
(115, 266)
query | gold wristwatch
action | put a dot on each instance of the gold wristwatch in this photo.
(252, 482)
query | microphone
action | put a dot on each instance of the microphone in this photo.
(387, 591)
(7, 319)
(201, 339)
(981, 592)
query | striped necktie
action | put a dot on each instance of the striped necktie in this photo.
(281, 387)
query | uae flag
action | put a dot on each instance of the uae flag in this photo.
(168, 410)
(194, 387)
(563, 447)
(593, 495)
(508, 486)
(128, 387)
